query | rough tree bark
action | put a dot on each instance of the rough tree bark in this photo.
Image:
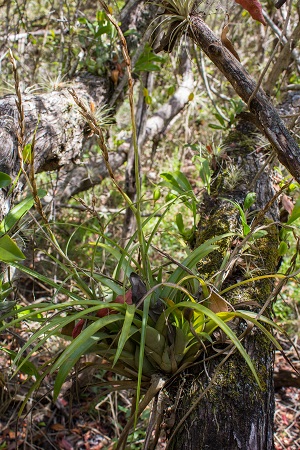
(62, 132)
(60, 129)
(235, 414)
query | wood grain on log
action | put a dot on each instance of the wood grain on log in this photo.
(81, 177)
(58, 123)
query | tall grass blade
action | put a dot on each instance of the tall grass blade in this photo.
(125, 333)
(191, 261)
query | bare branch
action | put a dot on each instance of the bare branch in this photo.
(264, 113)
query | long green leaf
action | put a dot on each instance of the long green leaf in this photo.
(211, 325)
(46, 280)
(5, 180)
(108, 282)
(227, 331)
(191, 261)
(263, 319)
(184, 183)
(295, 213)
(117, 255)
(118, 269)
(251, 280)
(48, 330)
(9, 251)
(28, 367)
(65, 369)
(85, 335)
(73, 274)
(39, 308)
(166, 208)
(246, 228)
(127, 258)
(171, 182)
(18, 211)
(272, 339)
(146, 305)
(125, 333)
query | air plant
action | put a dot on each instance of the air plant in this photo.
(174, 22)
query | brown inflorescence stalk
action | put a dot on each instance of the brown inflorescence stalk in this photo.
(96, 129)
(22, 142)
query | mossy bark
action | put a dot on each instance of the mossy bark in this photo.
(235, 413)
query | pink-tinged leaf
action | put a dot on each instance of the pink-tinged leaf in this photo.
(64, 444)
(105, 312)
(119, 299)
(254, 8)
(128, 298)
(78, 328)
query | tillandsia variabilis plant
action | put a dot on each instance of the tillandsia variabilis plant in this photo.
(183, 314)
(175, 20)
(147, 328)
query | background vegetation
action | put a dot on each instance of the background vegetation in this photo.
(81, 243)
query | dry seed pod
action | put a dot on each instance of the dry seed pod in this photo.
(114, 75)
(227, 42)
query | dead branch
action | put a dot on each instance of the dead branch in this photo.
(264, 114)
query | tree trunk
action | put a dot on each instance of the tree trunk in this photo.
(235, 414)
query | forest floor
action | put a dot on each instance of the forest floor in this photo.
(86, 418)
(287, 413)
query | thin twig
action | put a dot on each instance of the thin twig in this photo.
(173, 260)
(157, 383)
(267, 163)
(269, 204)
(96, 129)
(22, 143)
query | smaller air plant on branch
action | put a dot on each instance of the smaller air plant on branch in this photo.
(184, 319)
(175, 20)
